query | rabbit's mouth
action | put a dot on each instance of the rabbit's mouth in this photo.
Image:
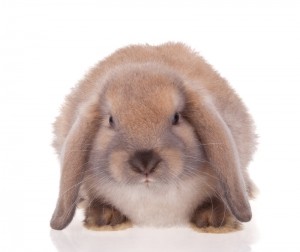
(147, 180)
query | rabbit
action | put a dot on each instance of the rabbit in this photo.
(154, 136)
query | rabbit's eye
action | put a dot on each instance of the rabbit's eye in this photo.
(111, 121)
(176, 118)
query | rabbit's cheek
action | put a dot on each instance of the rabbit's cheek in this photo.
(186, 134)
(116, 162)
(173, 159)
(103, 140)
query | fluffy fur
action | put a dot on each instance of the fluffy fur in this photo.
(154, 136)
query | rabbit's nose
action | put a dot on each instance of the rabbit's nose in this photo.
(144, 162)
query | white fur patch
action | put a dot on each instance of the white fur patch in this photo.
(153, 205)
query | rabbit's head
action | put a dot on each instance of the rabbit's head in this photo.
(144, 136)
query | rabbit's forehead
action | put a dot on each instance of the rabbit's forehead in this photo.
(152, 97)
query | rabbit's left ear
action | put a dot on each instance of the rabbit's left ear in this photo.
(221, 152)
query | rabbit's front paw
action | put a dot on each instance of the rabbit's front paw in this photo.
(99, 215)
(213, 213)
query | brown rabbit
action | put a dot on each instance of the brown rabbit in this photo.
(154, 136)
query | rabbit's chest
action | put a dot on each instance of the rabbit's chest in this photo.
(160, 206)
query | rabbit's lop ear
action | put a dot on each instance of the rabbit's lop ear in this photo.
(221, 152)
(74, 156)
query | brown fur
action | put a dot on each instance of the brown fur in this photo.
(142, 87)
(99, 214)
(212, 213)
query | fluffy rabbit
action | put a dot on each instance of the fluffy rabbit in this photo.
(154, 136)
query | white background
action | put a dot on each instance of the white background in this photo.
(47, 46)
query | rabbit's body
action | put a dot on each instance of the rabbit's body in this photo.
(161, 138)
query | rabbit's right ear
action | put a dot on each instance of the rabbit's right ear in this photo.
(74, 156)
